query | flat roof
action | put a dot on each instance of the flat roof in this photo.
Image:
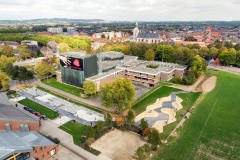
(77, 54)
(15, 142)
(11, 113)
(104, 74)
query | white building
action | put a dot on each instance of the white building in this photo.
(55, 29)
(108, 35)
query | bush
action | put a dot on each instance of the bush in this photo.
(176, 80)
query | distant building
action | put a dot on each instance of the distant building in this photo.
(108, 35)
(29, 42)
(12, 44)
(71, 29)
(55, 29)
(139, 36)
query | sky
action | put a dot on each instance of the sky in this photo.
(122, 10)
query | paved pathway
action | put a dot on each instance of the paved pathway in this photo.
(66, 154)
(233, 70)
(50, 128)
(92, 102)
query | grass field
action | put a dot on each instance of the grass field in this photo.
(164, 91)
(75, 129)
(213, 130)
(39, 108)
(72, 101)
(64, 87)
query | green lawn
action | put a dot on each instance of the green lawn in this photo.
(72, 101)
(62, 86)
(164, 91)
(75, 129)
(39, 108)
(213, 130)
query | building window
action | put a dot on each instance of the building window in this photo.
(43, 156)
(41, 148)
(35, 151)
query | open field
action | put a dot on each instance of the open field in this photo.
(213, 130)
(150, 99)
(39, 108)
(116, 144)
(61, 86)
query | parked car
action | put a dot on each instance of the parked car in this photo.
(31, 110)
(37, 114)
(43, 117)
(26, 108)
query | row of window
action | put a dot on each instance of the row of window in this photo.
(148, 40)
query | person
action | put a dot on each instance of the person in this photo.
(16, 105)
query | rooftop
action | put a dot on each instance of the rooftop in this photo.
(9, 112)
(15, 142)
(76, 54)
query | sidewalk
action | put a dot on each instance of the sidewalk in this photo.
(50, 128)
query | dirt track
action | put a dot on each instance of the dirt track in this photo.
(209, 84)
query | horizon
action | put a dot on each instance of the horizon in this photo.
(122, 10)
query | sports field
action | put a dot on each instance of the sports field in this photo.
(213, 130)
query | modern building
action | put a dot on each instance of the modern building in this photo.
(76, 67)
(19, 134)
(147, 73)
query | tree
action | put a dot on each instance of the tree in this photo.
(164, 53)
(7, 51)
(198, 66)
(4, 61)
(190, 38)
(24, 74)
(89, 88)
(227, 58)
(99, 126)
(120, 121)
(63, 47)
(213, 52)
(130, 117)
(217, 62)
(89, 132)
(229, 44)
(143, 125)
(4, 81)
(140, 154)
(238, 58)
(189, 78)
(154, 138)
(108, 119)
(103, 36)
(149, 55)
(44, 69)
(24, 52)
(119, 94)
(237, 47)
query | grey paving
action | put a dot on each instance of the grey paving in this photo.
(162, 116)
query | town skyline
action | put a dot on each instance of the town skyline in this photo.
(153, 10)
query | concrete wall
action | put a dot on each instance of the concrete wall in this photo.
(44, 152)
(15, 125)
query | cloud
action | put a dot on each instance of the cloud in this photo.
(133, 10)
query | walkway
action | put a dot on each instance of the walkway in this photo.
(91, 102)
(50, 128)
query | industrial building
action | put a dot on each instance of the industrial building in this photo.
(19, 135)
(106, 67)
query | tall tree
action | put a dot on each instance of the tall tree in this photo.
(238, 58)
(89, 88)
(149, 55)
(89, 131)
(44, 69)
(4, 81)
(119, 94)
(24, 52)
(143, 125)
(154, 138)
(130, 117)
(108, 119)
(7, 51)
(4, 61)
(227, 58)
